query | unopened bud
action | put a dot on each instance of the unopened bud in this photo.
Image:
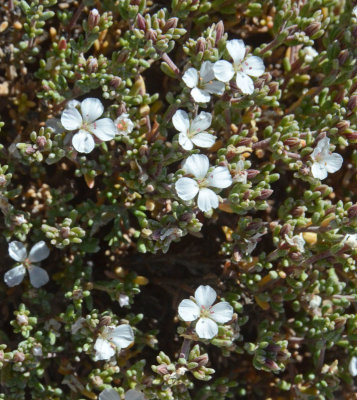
(140, 20)
(41, 142)
(273, 88)
(343, 56)
(200, 46)
(30, 150)
(19, 356)
(352, 103)
(244, 142)
(115, 82)
(22, 319)
(201, 360)
(295, 256)
(93, 19)
(264, 194)
(219, 32)
(342, 125)
(313, 28)
(162, 369)
(151, 35)
(350, 135)
(292, 141)
(285, 230)
(65, 231)
(340, 322)
(252, 173)
(171, 23)
(2, 180)
(123, 56)
(352, 211)
(254, 226)
(105, 321)
(92, 65)
(272, 365)
(62, 44)
(272, 348)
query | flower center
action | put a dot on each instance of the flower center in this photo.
(206, 312)
(122, 125)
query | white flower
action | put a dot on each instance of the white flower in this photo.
(296, 241)
(201, 308)
(203, 83)
(38, 276)
(350, 240)
(123, 300)
(309, 53)
(240, 174)
(112, 338)
(354, 11)
(352, 367)
(124, 124)
(251, 243)
(324, 160)
(193, 133)
(77, 325)
(88, 124)
(187, 188)
(111, 394)
(242, 68)
(315, 301)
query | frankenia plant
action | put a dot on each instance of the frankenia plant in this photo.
(18, 252)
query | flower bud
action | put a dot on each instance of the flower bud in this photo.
(62, 44)
(41, 142)
(162, 369)
(272, 348)
(201, 360)
(115, 82)
(252, 173)
(264, 194)
(350, 135)
(273, 88)
(272, 365)
(285, 230)
(93, 19)
(19, 356)
(65, 231)
(140, 20)
(30, 150)
(342, 125)
(292, 141)
(22, 319)
(352, 103)
(343, 56)
(313, 28)
(340, 322)
(219, 31)
(123, 56)
(200, 46)
(92, 65)
(151, 35)
(352, 211)
(170, 23)
(296, 256)
(2, 180)
(105, 321)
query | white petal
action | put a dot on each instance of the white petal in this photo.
(200, 95)
(201, 122)
(244, 83)
(215, 87)
(103, 349)
(323, 145)
(207, 199)
(38, 276)
(253, 66)
(318, 170)
(71, 119)
(73, 103)
(205, 296)
(123, 300)
(206, 328)
(190, 77)
(203, 139)
(196, 165)
(122, 336)
(206, 71)
(83, 142)
(188, 310)
(17, 251)
(222, 312)
(223, 70)
(220, 177)
(15, 276)
(109, 394)
(104, 129)
(352, 367)
(133, 394)
(92, 109)
(185, 142)
(186, 188)
(333, 162)
(181, 121)
(39, 252)
(236, 49)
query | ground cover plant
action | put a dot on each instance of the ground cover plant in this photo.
(178, 199)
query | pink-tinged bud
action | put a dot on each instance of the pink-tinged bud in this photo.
(2, 355)
(151, 35)
(350, 135)
(22, 319)
(140, 20)
(30, 150)
(343, 56)
(115, 82)
(62, 44)
(272, 348)
(297, 211)
(65, 231)
(313, 28)
(340, 322)
(41, 142)
(252, 173)
(93, 19)
(171, 23)
(285, 230)
(352, 211)
(342, 125)
(264, 194)
(162, 369)
(352, 103)
(92, 65)
(105, 321)
(2, 180)
(200, 46)
(123, 56)
(273, 88)
(296, 256)
(292, 142)
(201, 360)
(244, 142)
(19, 356)
(246, 195)
(219, 32)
